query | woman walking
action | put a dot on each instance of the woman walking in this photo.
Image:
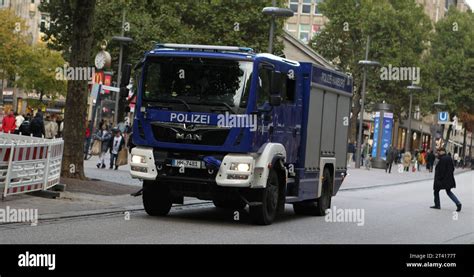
(104, 136)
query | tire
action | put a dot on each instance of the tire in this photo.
(265, 213)
(230, 204)
(319, 206)
(156, 198)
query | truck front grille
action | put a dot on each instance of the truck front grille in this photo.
(190, 134)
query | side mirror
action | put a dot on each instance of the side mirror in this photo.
(126, 72)
(275, 100)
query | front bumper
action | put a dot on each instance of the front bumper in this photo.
(157, 165)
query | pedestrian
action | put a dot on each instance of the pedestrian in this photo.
(50, 128)
(389, 156)
(430, 159)
(37, 125)
(456, 159)
(18, 121)
(104, 136)
(444, 179)
(8, 123)
(395, 155)
(116, 144)
(24, 129)
(407, 160)
(350, 152)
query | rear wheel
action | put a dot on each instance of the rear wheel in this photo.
(265, 213)
(156, 198)
(230, 204)
(319, 206)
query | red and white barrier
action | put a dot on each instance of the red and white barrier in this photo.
(29, 164)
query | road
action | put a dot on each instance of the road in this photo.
(392, 215)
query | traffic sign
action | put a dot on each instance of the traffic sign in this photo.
(443, 117)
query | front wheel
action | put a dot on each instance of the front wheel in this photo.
(265, 213)
(156, 198)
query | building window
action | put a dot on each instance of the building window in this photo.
(316, 29)
(306, 7)
(304, 33)
(316, 6)
(291, 27)
(294, 5)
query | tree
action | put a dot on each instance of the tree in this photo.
(452, 57)
(76, 101)
(38, 72)
(399, 32)
(13, 41)
(199, 22)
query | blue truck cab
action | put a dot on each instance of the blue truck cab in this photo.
(225, 124)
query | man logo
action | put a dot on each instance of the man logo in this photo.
(184, 136)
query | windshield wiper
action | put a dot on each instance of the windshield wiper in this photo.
(171, 101)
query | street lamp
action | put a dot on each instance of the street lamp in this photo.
(364, 63)
(122, 40)
(411, 88)
(275, 12)
(438, 106)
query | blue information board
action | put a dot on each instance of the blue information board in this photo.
(386, 133)
(376, 134)
(387, 126)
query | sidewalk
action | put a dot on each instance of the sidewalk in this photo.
(120, 176)
(363, 178)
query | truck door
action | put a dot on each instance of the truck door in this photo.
(287, 117)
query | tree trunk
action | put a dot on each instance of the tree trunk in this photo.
(76, 100)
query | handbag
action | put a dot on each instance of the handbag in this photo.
(96, 148)
(122, 158)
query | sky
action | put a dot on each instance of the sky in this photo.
(470, 3)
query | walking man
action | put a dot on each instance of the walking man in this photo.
(430, 160)
(444, 179)
(104, 136)
(390, 155)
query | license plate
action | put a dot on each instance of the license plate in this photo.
(186, 163)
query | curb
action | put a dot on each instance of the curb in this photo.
(396, 184)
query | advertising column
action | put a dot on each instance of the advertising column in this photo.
(383, 126)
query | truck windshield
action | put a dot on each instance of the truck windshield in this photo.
(198, 81)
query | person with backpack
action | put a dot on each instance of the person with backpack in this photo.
(37, 125)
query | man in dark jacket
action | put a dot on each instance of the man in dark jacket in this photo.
(37, 125)
(444, 179)
(390, 156)
(430, 159)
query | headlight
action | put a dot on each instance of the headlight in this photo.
(137, 159)
(242, 167)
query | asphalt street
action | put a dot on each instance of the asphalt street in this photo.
(392, 215)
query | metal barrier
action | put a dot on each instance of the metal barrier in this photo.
(29, 164)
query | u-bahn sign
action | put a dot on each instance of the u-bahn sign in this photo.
(443, 117)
